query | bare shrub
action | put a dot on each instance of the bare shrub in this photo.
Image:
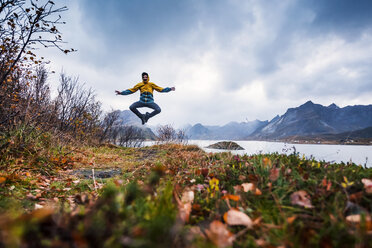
(130, 136)
(38, 110)
(107, 126)
(167, 134)
(77, 110)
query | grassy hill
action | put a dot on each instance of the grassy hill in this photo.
(180, 196)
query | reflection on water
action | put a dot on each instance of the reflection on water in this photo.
(361, 155)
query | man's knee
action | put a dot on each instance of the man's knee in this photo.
(158, 110)
(132, 107)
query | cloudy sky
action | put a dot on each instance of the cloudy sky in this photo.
(230, 60)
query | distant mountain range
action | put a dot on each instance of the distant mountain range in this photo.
(307, 120)
(312, 119)
(231, 131)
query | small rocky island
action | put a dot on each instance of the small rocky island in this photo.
(226, 145)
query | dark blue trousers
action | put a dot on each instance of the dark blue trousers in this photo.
(134, 108)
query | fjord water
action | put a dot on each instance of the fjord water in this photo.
(361, 155)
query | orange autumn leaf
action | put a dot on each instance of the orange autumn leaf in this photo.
(234, 217)
(291, 219)
(266, 161)
(2, 179)
(329, 186)
(219, 234)
(258, 192)
(231, 197)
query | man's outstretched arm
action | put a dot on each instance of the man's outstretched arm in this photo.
(128, 91)
(160, 89)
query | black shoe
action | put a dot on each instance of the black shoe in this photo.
(147, 117)
(143, 119)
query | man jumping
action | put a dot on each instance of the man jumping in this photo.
(146, 98)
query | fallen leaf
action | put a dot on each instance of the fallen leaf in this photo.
(2, 180)
(261, 242)
(184, 204)
(274, 174)
(205, 172)
(242, 177)
(38, 206)
(238, 188)
(219, 234)
(248, 187)
(251, 187)
(329, 185)
(231, 197)
(356, 218)
(257, 221)
(187, 196)
(258, 192)
(266, 162)
(291, 219)
(367, 185)
(234, 217)
(301, 198)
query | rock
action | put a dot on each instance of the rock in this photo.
(226, 145)
(98, 173)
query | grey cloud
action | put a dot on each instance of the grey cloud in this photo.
(132, 34)
(344, 17)
(136, 28)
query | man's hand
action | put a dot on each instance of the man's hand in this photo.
(173, 88)
(117, 92)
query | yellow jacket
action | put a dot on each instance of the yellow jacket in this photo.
(147, 89)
